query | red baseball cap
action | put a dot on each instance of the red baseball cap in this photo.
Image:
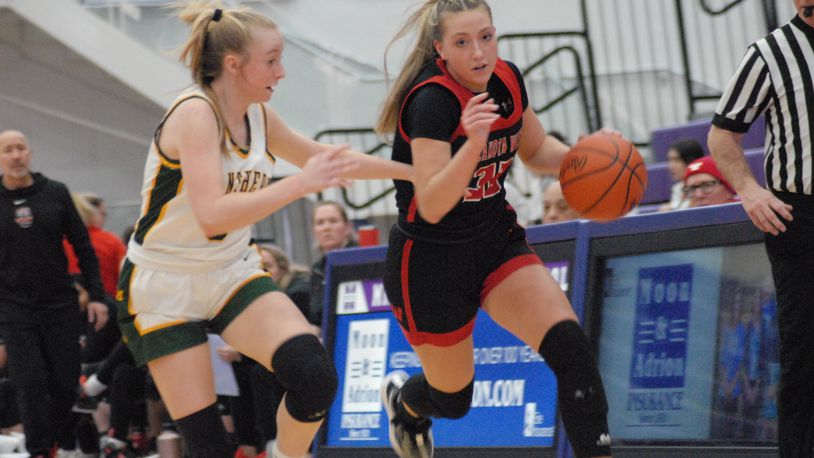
(707, 165)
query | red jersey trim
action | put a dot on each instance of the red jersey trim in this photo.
(446, 339)
(506, 269)
(502, 70)
(405, 283)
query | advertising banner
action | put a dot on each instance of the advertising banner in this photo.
(514, 400)
(658, 331)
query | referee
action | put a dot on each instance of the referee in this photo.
(775, 77)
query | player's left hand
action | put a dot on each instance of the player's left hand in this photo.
(97, 314)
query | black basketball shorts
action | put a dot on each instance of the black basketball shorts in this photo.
(436, 288)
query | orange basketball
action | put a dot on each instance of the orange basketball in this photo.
(603, 177)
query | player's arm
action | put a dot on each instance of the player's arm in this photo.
(191, 134)
(441, 179)
(760, 204)
(541, 153)
(297, 149)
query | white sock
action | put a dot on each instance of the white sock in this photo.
(93, 387)
(276, 453)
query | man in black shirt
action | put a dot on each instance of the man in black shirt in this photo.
(39, 305)
(774, 78)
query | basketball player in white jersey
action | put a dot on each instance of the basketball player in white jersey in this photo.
(189, 266)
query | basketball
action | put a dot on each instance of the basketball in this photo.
(603, 177)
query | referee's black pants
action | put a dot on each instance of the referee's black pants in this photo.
(792, 257)
(43, 365)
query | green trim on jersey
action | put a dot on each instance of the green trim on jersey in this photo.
(163, 342)
(165, 188)
(241, 299)
(157, 343)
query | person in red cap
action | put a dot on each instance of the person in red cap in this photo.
(705, 185)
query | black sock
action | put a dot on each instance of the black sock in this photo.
(204, 435)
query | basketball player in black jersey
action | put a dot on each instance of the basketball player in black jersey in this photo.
(460, 116)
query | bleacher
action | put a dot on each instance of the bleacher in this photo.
(659, 180)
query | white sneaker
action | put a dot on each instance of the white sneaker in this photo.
(9, 444)
(408, 439)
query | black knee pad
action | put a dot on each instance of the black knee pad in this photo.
(303, 368)
(583, 405)
(429, 402)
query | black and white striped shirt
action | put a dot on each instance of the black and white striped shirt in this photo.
(775, 76)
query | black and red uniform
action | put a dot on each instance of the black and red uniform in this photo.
(437, 275)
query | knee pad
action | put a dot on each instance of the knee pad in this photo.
(583, 405)
(429, 402)
(303, 368)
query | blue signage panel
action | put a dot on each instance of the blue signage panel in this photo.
(514, 402)
(662, 319)
(656, 356)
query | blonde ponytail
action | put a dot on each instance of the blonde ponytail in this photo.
(427, 23)
(214, 33)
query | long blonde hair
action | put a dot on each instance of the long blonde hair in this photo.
(214, 33)
(427, 23)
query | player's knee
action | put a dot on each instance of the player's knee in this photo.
(453, 405)
(303, 368)
(567, 352)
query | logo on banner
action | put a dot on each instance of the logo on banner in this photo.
(662, 318)
(367, 356)
(361, 296)
(533, 423)
(350, 298)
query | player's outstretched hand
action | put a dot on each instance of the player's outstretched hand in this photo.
(477, 118)
(327, 169)
(765, 210)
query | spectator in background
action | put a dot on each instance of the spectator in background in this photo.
(679, 155)
(555, 208)
(294, 280)
(110, 251)
(38, 301)
(99, 204)
(108, 247)
(704, 185)
(332, 231)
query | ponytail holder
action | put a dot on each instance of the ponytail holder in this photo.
(217, 15)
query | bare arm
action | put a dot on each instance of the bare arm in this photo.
(541, 153)
(297, 149)
(440, 179)
(191, 133)
(760, 204)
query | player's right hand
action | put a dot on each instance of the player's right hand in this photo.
(477, 118)
(328, 169)
(765, 210)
